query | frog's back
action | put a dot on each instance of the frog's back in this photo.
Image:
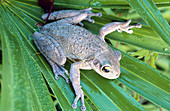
(77, 42)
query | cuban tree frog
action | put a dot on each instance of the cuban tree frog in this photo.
(63, 39)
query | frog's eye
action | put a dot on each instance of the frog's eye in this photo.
(106, 69)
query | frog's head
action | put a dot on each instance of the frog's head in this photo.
(107, 64)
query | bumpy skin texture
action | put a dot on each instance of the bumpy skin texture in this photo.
(63, 39)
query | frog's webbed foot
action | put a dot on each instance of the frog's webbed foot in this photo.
(119, 26)
(88, 18)
(90, 14)
(53, 52)
(59, 70)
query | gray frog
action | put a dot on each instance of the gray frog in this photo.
(63, 39)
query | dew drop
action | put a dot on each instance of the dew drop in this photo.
(95, 3)
(38, 29)
(165, 49)
(30, 37)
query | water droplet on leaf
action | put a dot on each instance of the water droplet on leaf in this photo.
(95, 3)
(165, 49)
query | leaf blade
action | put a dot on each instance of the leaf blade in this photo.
(14, 78)
(37, 85)
(143, 79)
(149, 12)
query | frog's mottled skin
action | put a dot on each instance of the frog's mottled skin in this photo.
(61, 39)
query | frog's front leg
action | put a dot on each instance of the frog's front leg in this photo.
(75, 79)
(119, 26)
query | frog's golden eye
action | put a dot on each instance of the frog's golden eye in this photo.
(106, 69)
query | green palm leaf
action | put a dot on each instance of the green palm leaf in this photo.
(116, 4)
(149, 12)
(25, 71)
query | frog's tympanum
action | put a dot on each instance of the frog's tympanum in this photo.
(64, 39)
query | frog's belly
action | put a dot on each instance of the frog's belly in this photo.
(78, 42)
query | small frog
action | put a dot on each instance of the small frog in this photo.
(64, 39)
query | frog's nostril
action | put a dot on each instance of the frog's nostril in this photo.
(117, 74)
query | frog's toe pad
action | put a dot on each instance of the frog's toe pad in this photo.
(74, 105)
(56, 77)
(65, 77)
(83, 108)
(139, 25)
(130, 31)
(67, 81)
(99, 14)
(90, 20)
(59, 70)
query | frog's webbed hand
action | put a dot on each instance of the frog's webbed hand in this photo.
(119, 26)
(75, 80)
(52, 52)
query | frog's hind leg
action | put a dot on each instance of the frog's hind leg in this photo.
(78, 18)
(53, 52)
(72, 16)
(119, 26)
(61, 14)
(85, 14)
